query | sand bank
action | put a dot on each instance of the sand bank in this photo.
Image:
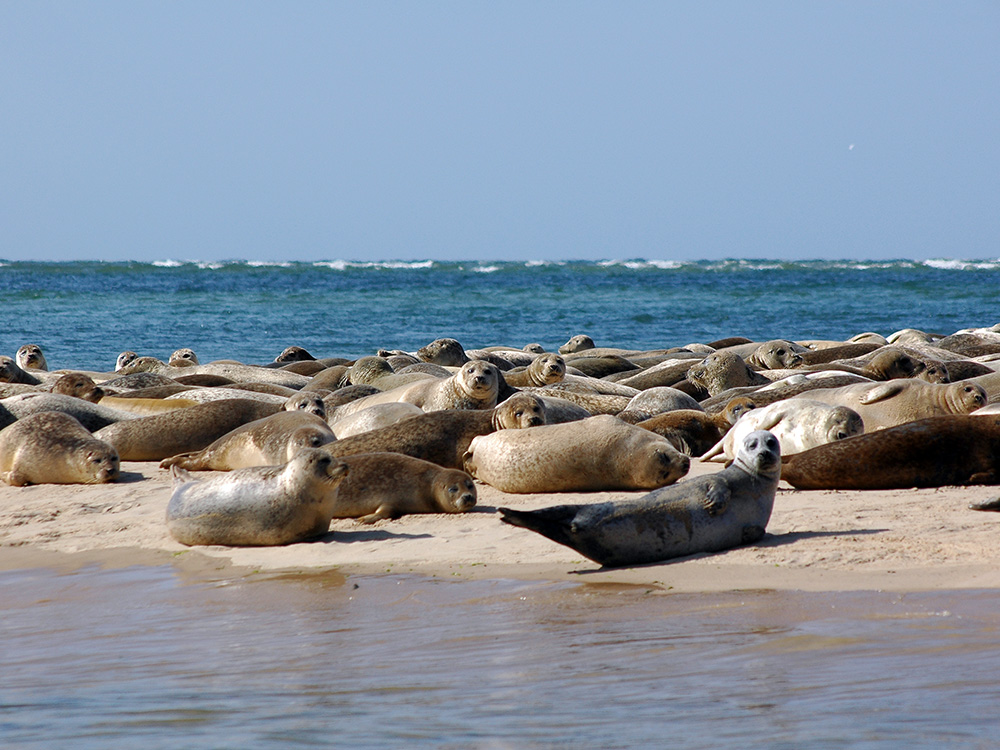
(905, 540)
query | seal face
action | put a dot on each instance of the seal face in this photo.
(311, 403)
(30, 357)
(704, 514)
(54, 448)
(259, 506)
(78, 385)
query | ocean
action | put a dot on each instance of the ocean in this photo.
(83, 314)
(147, 656)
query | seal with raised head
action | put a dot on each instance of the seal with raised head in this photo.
(309, 402)
(724, 370)
(580, 342)
(183, 358)
(798, 423)
(259, 506)
(11, 372)
(269, 441)
(54, 448)
(589, 455)
(30, 357)
(443, 437)
(543, 370)
(382, 486)
(446, 352)
(704, 514)
(935, 452)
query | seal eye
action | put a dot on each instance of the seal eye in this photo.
(453, 489)
(518, 414)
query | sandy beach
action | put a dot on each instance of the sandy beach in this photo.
(899, 540)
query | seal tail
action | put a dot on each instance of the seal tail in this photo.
(554, 523)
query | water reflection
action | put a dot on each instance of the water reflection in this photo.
(154, 656)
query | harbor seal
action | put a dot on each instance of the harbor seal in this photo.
(443, 437)
(381, 486)
(798, 423)
(894, 402)
(92, 416)
(309, 402)
(704, 514)
(724, 370)
(543, 370)
(375, 416)
(54, 448)
(268, 441)
(30, 357)
(259, 506)
(159, 436)
(78, 385)
(589, 455)
(183, 358)
(580, 342)
(445, 352)
(11, 372)
(935, 452)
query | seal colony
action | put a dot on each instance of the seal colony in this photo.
(888, 413)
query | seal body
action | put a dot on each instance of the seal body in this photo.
(382, 486)
(593, 454)
(268, 441)
(54, 448)
(261, 506)
(443, 437)
(704, 514)
(935, 452)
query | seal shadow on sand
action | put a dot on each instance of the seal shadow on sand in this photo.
(769, 540)
(342, 536)
(129, 477)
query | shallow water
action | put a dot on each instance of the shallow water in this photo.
(152, 657)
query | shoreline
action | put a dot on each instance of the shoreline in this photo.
(817, 540)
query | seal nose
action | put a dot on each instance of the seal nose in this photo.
(466, 501)
(535, 421)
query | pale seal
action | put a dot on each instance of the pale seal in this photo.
(381, 486)
(598, 453)
(54, 448)
(935, 452)
(374, 417)
(704, 514)
(260, 506)
(268, 441)
(30, 357)
(798, 423)
(897, 401)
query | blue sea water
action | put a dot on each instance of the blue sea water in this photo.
(83, 314)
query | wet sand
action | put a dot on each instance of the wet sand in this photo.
(824, 540)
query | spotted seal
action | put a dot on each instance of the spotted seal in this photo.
(709, 513)
(54, 448)
(259, 506)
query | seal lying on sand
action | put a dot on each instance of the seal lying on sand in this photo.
(54, 448)
(934, 452)
(593, 454)
(704, 514)
(389, 485)
(261, 506)
(443, 437)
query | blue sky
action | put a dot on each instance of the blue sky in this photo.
(512, 130)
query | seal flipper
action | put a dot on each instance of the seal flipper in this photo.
(555, 523)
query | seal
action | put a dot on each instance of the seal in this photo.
(693, 431)
(897, 401)
(54, 448)
(798, 423)
(704, 514)
(124, 359)
(658, 400)
(30, 357)
(91, 416)
(724, 370)
(936, 452)
(78, 385)
(309, 402)
(183, 358)
(374, 417)
(580, 342)
(589, 455)
(259, 506)
(11, 372)
(443, 437)
(543, 370)
(269, 441)
(445, 352)
(381, 486)
(159, 436)
(776, 355)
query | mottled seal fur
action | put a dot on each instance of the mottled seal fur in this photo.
(30, 357)
(798, 423)
(54, 448)
(260, 506)
(935, 452)
(598, 453)
(703, 514)
(268, 441)
(724, 370)
(381, 486)
(91, 416)
(443, 437)
(543, 370)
